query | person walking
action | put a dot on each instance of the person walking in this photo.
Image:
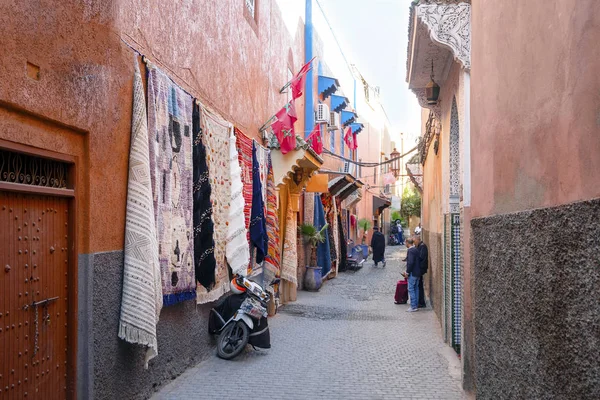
(413, 271)
(423, 252)
(378, 246)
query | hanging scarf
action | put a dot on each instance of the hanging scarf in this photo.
(141, 301)
(323, 252)
(273, 258)
(204, 245)
(244, 148)
(258, 223)
(170, 123)
(289, 262)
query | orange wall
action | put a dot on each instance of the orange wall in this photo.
(535, 104)
(81, 104)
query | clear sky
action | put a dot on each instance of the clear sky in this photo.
(374, 36)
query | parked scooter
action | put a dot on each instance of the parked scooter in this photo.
(393, 240)
(241, 318)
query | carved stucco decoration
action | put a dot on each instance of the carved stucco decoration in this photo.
(450, 26)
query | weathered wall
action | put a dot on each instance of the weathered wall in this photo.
(85, 81)
(535, 105)
(81, 105)
(183, 340)
(212, 49)
(538, 275)
(535, 114)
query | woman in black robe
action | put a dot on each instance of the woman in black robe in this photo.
(378, 246)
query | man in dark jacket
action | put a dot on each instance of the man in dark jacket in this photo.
(423, 263)
(413, 271)
(378, 246)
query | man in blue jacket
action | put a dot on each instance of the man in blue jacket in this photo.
(413, 270)
(424, 264)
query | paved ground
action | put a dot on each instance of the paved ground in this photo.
(349, 341)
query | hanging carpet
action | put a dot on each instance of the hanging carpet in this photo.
(323, 251)
(244, 148)
(273, 258)
(258, 223)
(289, 262)
(343, 266)
(142, 298)
(204, 245)
(237, 249)
(170, 125)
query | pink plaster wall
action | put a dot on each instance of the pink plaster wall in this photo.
(535, 104)
(81, 104)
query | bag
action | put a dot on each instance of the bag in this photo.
(401, 296)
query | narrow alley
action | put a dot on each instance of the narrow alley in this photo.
(349, 341)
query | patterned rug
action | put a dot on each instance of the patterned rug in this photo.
(216, 141)
(244, 148)
(273, 259)
(142, 295)
(237, 248)
(289, 261)
(204, 245)
(170, 124)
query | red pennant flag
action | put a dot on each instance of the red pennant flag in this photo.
(297, 84)
(355, 140)
(349, 138)
(315, 139)
(283, 127)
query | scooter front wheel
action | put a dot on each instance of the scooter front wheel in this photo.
(232, 340)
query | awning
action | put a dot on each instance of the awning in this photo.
(327, 86)
(357, 127)
(348, 117)
(338, 103)
(353, 198)
(303, 157)
(344, 185)
(380, 203)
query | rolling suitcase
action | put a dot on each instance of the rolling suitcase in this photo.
(401, 296)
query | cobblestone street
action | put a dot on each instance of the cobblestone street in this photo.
(349, 341)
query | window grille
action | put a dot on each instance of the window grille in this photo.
(34, 171)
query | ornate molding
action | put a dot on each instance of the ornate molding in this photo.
(450, 26)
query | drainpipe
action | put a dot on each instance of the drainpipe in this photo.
(309, 116)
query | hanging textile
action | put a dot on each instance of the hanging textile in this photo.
(328, 202)
(334, 230)
(289, 262)
(258, 223)
(141, 301)
(170, 124)
(263, 155)
(272, 260)
(204, 245)
(343, 246)
(216, 139)
(244, 148)
(323, 251)
(237, 249)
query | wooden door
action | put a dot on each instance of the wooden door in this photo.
(33, 296)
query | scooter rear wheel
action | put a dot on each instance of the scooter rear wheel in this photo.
(232, 340)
